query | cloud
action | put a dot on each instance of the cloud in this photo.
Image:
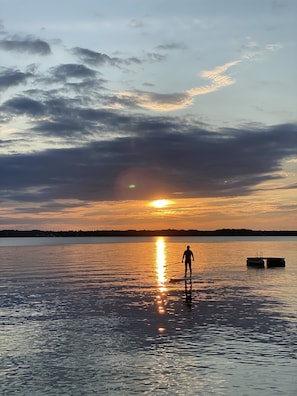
(84, 151)
(68, 71)
(21, 106)
(228, 162)
(136, 24)
(273, 47)
(93, 57)
(217, 77)
(12, 77)
(154, 101)
(253, 50)
(177, 101)
(172, 46)
(30, 45)
(98, 59)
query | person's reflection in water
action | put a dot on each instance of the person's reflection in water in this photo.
(188, 292)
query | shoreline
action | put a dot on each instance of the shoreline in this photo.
(141, 233)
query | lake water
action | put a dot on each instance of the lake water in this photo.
(99, 316)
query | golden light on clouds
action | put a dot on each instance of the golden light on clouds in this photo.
(166, 102)
(176, 101)
(156, 101)
(217, 77)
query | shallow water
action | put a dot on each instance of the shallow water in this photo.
(99, 316)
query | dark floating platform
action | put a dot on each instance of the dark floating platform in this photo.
(271, 262)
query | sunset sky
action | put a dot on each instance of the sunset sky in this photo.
(108, 106)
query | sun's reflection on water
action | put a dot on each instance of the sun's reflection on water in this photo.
(160, 260)
(161, 274)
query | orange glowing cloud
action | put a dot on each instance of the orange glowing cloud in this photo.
(177, 101)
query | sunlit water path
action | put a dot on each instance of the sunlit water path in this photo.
(99, 316)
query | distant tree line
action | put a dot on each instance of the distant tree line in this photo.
(135, 233)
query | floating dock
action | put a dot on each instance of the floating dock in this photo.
(271, 262)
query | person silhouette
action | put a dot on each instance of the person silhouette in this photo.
(187, 256)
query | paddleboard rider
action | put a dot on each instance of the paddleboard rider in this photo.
(187, 256)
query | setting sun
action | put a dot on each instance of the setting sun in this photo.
(160, 203)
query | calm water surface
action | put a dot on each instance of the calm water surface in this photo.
(99, 316)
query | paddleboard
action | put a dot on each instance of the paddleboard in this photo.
(179, 279)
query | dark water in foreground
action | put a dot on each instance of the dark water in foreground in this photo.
(98, 316)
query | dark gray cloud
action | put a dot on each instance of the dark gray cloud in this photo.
(93, 57)
(12, 77)
(22, 106)
(98, 59)
(64, 79)
(73, 70)
(159, 155)
(30, 45)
